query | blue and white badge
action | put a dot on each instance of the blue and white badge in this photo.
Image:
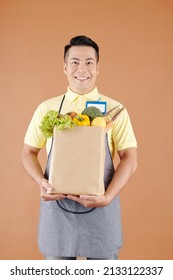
(98, 104)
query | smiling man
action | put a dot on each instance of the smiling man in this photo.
(81, 67)
(93, 230)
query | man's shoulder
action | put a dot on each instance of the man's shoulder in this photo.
(51, 103)
(52, 100)
(110, 101)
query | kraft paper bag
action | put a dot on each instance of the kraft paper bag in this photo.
(77, 161)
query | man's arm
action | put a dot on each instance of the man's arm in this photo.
(124, 171)
(33, 168)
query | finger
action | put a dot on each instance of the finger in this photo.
(89, 197)
(46, 196)
(44, 184)
(73, 197)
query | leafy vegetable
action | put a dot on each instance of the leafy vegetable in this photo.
(92, 112)
(52, 119)
(65, 121)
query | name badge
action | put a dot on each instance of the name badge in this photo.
(98, 104)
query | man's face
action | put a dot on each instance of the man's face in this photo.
(81, 68)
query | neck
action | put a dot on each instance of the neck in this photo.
(81, 91)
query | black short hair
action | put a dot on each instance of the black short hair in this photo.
(82, 40)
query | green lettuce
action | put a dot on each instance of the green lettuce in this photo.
(53, 119)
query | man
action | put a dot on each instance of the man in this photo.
(93, 234)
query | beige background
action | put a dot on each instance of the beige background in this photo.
(136, 49)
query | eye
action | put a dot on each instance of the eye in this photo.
(89, 63)
(74, 62)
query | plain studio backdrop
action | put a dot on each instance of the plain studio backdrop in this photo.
(136, 68)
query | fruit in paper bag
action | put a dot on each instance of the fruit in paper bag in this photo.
(72, 114)
(99, 121)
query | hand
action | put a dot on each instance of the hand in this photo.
(90, 201)
(45, 191)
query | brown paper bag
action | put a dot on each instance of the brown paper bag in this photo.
(77, 161)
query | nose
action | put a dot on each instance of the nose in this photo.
(82, 67)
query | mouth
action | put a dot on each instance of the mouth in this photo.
(81, 78)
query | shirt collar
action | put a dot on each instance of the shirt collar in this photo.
(92, 95)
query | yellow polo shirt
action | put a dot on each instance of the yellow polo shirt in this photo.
(120, 136)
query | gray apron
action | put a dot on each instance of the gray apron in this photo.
(68, 229)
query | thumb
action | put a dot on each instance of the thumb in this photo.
(44, 185)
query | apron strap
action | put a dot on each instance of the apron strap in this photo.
(74, 212)
(46, 174)
(62, 101)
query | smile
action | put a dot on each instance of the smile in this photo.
(81, 78)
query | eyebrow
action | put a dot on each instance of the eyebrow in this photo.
(89, 58)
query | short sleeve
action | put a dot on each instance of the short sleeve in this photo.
(122, 132)
(34, 137)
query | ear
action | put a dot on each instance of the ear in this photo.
(65, 66)
(97, 68)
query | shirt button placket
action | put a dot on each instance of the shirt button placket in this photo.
(80, 104)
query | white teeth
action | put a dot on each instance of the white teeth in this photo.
(81, 78)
